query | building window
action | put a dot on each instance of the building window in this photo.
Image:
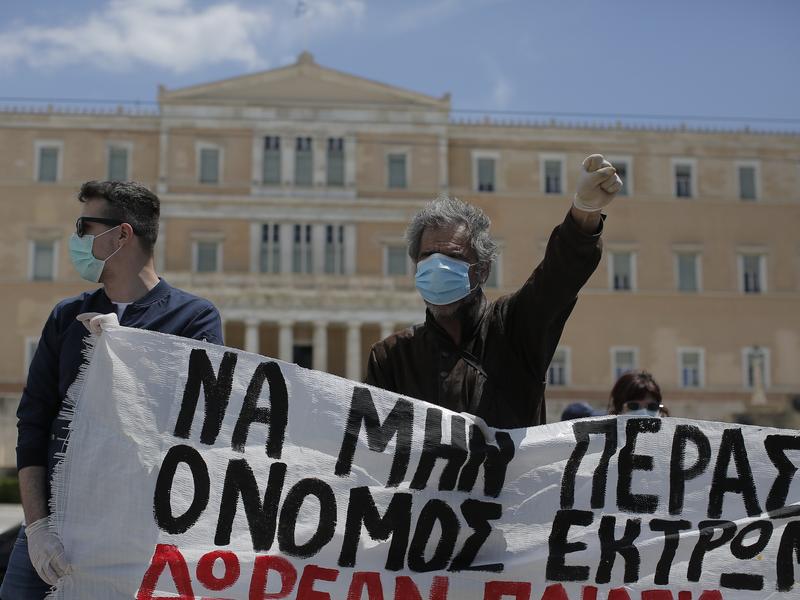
(756, 367)
(691, 367)
(396, 261)
(31, 344)
(334, 249)
(552, 176)
(209, 165)
(623, 360)
(558, 371)
(684, 179)
(48, 162)
(552, 173)
(303, 162)
(688, 271)
(397, 178)
(623, 271)
(748, 183)
(753, 273)
(302, 255)
(270, 256)
(625, 173)
(43, 260)
(271, 169)
(118, 163)
(486, 182)
(335, 162)
(207, 256)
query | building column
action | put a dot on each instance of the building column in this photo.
(353, 351)
(256, 167)
(444, 175)
(319, 353)
(350, 161)
(223, 323)
(387, 329)
(286, 341)
(161, 246)
(251, 341)
(163, 160)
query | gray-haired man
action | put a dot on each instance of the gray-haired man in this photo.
(490, 359)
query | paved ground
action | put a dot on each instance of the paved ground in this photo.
(10, 516)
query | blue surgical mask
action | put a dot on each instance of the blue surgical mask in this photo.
(442, 280)
(80, 253)
(643, 412)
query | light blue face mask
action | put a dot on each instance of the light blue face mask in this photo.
(442, 280)
(80, 253)
(643, 412)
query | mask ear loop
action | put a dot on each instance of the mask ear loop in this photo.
(472, 289)
(114, 252)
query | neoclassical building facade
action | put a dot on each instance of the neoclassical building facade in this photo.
(285, 195)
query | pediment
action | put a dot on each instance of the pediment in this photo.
(303, 83)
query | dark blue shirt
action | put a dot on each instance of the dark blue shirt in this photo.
(59, 357)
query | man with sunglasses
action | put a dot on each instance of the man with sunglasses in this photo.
(112, 245)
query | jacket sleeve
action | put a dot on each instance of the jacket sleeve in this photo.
(40, 400)
(206, 325)
(378, 370)
(536, 313)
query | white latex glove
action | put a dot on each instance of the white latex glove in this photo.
(46, 551)
(598, 184)
(96, 322)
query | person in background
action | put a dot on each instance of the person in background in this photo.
(580, 410)
(636, 393)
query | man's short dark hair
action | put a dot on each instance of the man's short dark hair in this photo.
(129, 202)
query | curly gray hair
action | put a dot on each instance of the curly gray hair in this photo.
(445, 211)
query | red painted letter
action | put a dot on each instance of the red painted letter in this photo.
(205, 570)
(555, 592)
(656, 595)
(262, 567)
(312, 573)
(406, 589)
(166, 555)
(618, 594)
(495, 590)
(370, 580)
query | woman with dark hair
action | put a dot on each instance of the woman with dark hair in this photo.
(636, 393)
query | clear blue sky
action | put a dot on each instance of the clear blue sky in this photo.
(681, 57)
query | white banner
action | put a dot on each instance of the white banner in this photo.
(199, 471)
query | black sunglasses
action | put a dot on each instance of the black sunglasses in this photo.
(651, 406)
(80, 229)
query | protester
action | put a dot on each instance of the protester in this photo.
(490, 359)
(113, 245)
(580, 410)
(636, 393)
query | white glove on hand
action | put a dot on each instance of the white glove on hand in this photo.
(597, 185)
(46, 551)
(96, 322)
